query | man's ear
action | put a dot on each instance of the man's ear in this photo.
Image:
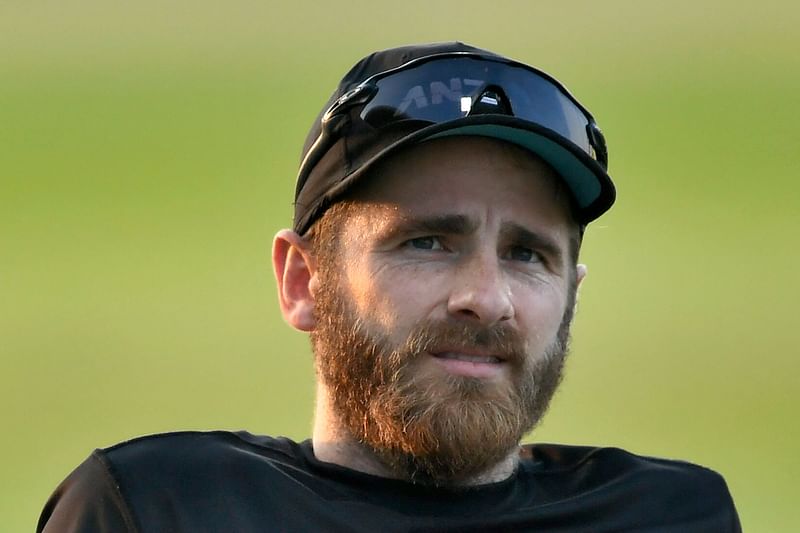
(581, 271)
(580, 275)
(295, 272)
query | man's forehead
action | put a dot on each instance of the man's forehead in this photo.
(471, 177)
(388, 220)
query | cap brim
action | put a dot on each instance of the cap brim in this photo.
(591, 187)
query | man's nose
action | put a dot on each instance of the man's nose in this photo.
(481, 292)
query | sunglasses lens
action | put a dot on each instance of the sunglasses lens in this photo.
(446, 89)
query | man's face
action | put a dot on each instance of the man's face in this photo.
(443, 309)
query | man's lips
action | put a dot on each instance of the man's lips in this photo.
(469, 363)
(470, 358)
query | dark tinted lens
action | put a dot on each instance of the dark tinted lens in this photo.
(446, 89)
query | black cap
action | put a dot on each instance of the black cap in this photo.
(340, 148)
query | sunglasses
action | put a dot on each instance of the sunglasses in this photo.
(444, 87)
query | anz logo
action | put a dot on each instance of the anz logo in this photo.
(436, 92)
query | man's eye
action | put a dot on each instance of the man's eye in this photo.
(520, 253)
(425, 243)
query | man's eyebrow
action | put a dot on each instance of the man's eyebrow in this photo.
(435, 225)
(534, 240)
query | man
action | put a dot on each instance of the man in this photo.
(439, 211)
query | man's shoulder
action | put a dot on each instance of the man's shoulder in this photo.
(159, 473)
(165, 454)
(189, 444)
(567, 456)
(645, 486)
(197, 478)
(603, 464)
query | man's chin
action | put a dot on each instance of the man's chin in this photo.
(468, 427)
(458, 460)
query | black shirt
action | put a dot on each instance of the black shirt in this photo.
(237, 482)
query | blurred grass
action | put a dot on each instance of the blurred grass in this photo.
(148, 155)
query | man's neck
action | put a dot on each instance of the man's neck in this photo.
(334, 444)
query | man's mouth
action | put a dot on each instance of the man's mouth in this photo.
(469, 364)
(487, 359)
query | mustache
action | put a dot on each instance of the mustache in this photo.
(501, 339)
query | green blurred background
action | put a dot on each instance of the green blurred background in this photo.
(148, 153)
